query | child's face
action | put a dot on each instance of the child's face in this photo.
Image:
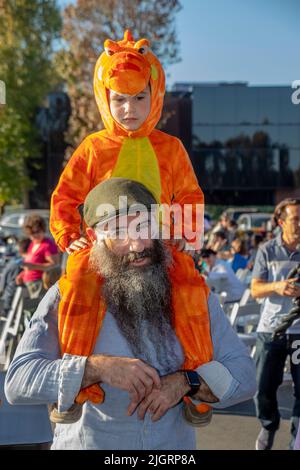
(130, 111)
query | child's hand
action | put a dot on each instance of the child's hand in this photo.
(77, 245)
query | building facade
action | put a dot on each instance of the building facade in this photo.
(245, 141)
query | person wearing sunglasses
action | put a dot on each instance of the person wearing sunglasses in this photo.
(42, 254)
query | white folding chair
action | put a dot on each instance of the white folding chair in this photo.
(250, 310)
(249, 314)
(246, 297)
(8, 338)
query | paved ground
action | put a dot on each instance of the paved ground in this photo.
(236, 428)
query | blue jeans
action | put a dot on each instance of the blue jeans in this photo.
(270, 359)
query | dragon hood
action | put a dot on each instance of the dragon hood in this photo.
(126, 67)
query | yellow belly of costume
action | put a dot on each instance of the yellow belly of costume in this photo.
(137, 161)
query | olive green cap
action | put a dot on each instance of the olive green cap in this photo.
(107, 200)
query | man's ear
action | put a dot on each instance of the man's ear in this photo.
(280, 222)
(91, 234)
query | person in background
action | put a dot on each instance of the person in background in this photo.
(219, 242)
(8, 278)
(231, 230)
(270, 281)
(239, 252)
(220, 276)
(256, 240)
(236, 255)
(41, 255)
(223, 224)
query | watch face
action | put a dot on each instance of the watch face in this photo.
(193, 379)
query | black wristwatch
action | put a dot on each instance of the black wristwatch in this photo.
(193, 380)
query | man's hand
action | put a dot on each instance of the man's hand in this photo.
(132, 375)
(287, 288)
(205, 394)
(159, 401)
(77, 245)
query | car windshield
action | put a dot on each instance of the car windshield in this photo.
(11, 220)
(259, 221)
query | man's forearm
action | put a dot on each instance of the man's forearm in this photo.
(92, 371)
(263, 289)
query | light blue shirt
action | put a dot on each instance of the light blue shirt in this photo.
(38, 374)
(273, 263)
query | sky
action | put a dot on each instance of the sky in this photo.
(254, 41)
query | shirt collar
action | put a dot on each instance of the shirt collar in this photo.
(279, 239)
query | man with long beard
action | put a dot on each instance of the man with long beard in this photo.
(121, 380)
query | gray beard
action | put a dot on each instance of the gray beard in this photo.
(139, 299)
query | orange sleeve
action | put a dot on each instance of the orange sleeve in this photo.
(73, 186)
(188, 194)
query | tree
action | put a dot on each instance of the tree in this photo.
(86, 26)
(28, 29)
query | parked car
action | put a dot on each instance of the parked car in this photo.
(235, 212)
(11, 224)
(254, 222)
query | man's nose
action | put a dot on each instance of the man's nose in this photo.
(137, 245)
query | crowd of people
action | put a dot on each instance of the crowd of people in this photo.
(228, 255)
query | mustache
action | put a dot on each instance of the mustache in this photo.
(134, 255)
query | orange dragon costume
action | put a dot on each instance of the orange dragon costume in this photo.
(151, 157)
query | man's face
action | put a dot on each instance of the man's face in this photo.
(36, 235)
(130, 111)
(137, 290)
(129, 237)
(291, 223)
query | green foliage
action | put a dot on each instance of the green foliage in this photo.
(27, 31)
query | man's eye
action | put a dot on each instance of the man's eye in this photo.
(140, 98)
